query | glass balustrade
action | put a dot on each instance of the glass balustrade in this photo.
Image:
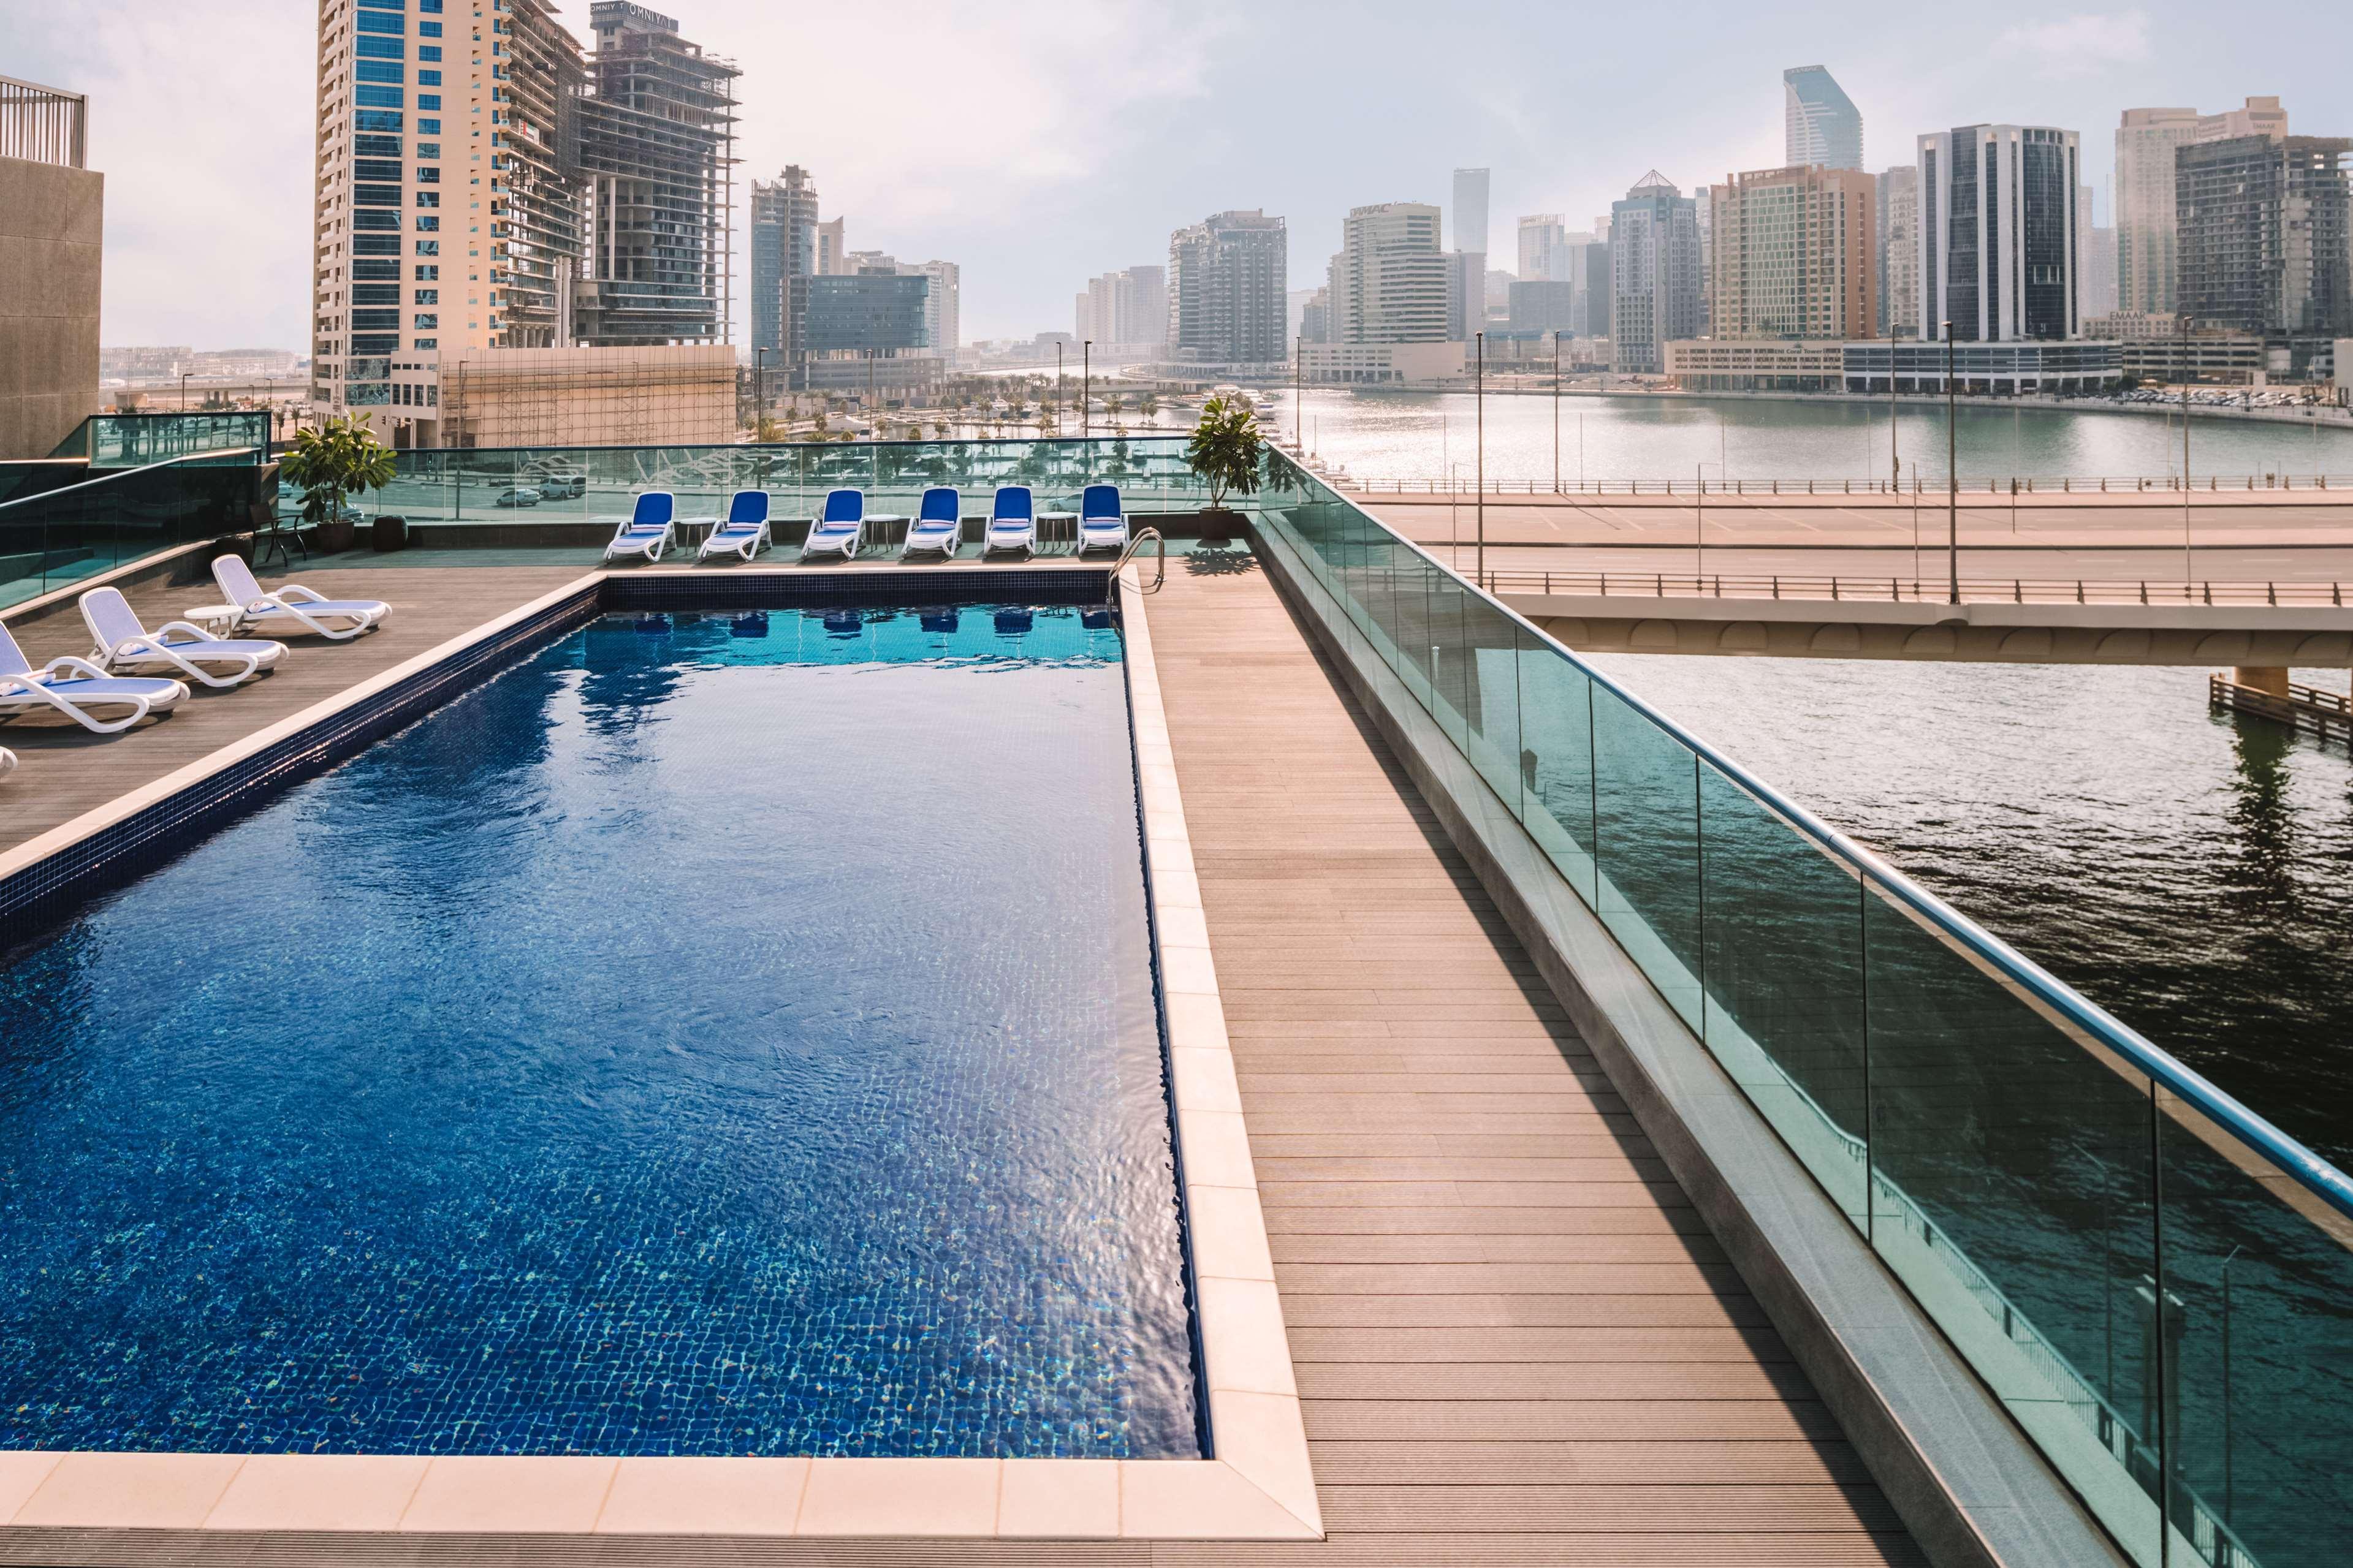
(2156, 1284)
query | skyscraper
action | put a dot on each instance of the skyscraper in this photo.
(1793, 255)
(783, 255)
(2266, 233)
(1897, 215)
(1393, 277)
(1544, 247)
(1654, 273)
(2095, 267)
(1130, 305)
(657, 139)
(1228, 283)
(943, 305)
(484, 128)
(1998, 232)
(1819, 123)
(1470, 210)
(2147, 140)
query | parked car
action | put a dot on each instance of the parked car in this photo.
(522, 495)
(560, 486)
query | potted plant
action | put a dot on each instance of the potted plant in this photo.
(338, 459)
(1225, 450)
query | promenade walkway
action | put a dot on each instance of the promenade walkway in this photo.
(1514, 1340)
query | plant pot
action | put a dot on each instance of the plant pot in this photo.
(389, 533)
(333, 538)
(1218, 525)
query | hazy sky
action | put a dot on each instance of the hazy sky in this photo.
(1037, 144)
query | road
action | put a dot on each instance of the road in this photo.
(2263, 537)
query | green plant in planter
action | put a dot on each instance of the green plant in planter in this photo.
(338, 459)
(1225, 449)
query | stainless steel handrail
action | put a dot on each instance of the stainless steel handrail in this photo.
(1160, 566)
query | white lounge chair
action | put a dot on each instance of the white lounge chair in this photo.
(651, 528)
(292, 611)
(841, 528)
(938, 524)
(71, 688)
(7, 761)
(745, 533)
(1012, 522)
(1103, 525)
(123, 643)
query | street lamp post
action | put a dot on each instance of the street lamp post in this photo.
(1952, 473)
(1298, 382)
(1555, 411)
(183, 392)
(2187, 569)
(1479, 466)
(1086, 381)
(759, 391)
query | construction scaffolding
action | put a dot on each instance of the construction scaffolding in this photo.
(582, 397)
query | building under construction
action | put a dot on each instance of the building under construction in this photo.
(534, 229)
(656, 150)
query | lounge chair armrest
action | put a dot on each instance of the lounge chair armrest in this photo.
(294, 593)
(160, 634)
(80, 667)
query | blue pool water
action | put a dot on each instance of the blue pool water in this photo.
(711, 1035)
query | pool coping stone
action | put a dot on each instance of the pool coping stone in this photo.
(1257, 1484)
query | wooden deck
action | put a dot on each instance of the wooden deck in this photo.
(1514, 1340)
(66, 771)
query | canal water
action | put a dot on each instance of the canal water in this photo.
(1420, 436)
(2190, 871)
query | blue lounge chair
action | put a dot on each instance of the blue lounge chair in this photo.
(1012, 522)
(651, 528)
(1102, 524)
(841, 528)
(938, 525)
(745, 533)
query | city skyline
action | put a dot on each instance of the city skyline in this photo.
(206, 231)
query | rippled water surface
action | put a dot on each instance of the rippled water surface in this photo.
(2193, 872)
(712, 1036)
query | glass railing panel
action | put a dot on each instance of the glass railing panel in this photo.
(1556, 762)
(1491, 700)
(1782, 950)
(1646, 824)
(1451, 684)
(2012, 1179)
(2256, 1373)
(1410, 577)
(61, 537)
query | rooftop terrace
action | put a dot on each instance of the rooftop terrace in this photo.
(1648, 1173)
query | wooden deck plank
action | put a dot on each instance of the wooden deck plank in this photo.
(67, 771)
(1514, 1341)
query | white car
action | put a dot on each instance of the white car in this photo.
(522, 495)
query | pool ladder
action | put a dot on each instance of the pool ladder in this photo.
(1160, 565)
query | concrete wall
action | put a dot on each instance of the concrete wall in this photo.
(51, 226)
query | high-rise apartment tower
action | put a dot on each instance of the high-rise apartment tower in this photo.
(2266, 235)
(1654, 260)
(2147, 141)
(1793, 255)
(1228, 290)
(783, 254)
(1392, 276)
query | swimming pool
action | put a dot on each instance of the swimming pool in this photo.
(716, 1033)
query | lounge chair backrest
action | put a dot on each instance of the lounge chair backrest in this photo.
(236, 578)
(654, 509)
(941, 504)
(845, 506)
(748, 508)
(110, 617)
(12, 658)
(1013, 504)
(1100, 501)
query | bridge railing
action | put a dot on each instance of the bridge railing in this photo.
(2156, 1282)
(1926, 490)
(1909, 590)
